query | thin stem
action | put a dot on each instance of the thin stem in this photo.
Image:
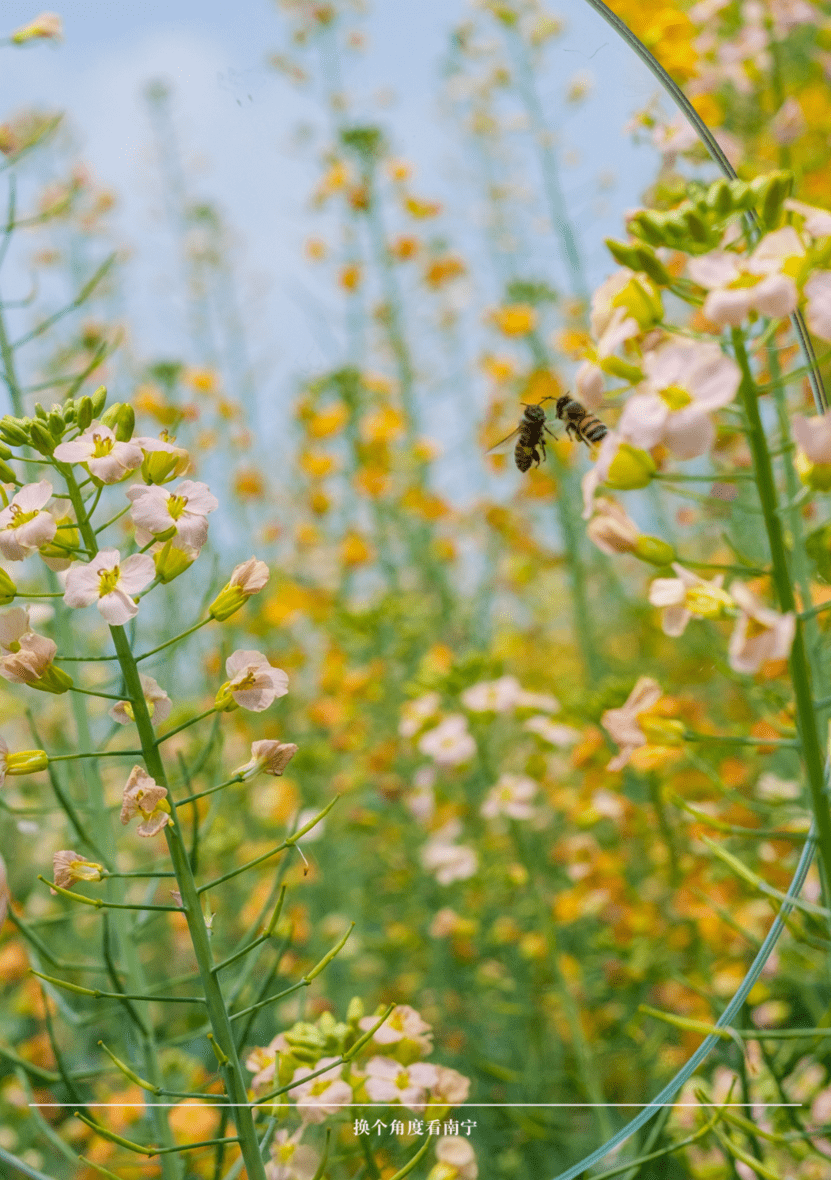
(801, 678)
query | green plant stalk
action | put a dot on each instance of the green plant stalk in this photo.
(800, 669)
(218, 1015)
(171, 1165)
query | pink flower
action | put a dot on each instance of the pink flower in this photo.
(623, 724)
(818, 307)
(69, 867)
(159, 704)
(457, 1156)
(290, 1159)
(760, 634)
(449, 744)
(254, 684)
(29, 659)
(814, 435)
(737, 286)
(816, 223)
(686, 596)
(110, 583)
(322, 1095)
(388, 1081)
(510, 797)
(451, 1089)
(46, 26)
(268, 757)
(23, 526)
(611, 528)
(263, 1061)
(685, 381)
(142, 796)
(403, 1024)
(100, 451)
(156, 511)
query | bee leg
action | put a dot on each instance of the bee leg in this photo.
(536, 455)
(542, 448)
(551, 432)
(572, 432)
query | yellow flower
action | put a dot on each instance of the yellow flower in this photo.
(354, 549)
(317, 463)
(330, 420)
(421, 209)
(515, 319)
(382, 425)
(350, 277)
(201, 380)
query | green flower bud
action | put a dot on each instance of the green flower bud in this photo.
(84, 413)
(40, 412)
(56, 425)
(813, 475)
(644, 224)
(6, 473)
(171, 561)
(12, 432)
(652, 266)
(5, 452)
(26, 762)
(631, 468)
(227, 602)
(8, 590)
(53, 680)
(778, 188)
(720, 198)
(355, 1010)
(623, 254)
(654, 551)
(661, 731)
(99, 400)
(223, 701)
(698, 228)
(41, 439)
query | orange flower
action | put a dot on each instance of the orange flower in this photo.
(354, 549)
(443, 270)
(317, 463)
(201, 380)
(382, 425)
(372, 481)
(404, 248)
(249, 484)
(330, 420)
(350, 277)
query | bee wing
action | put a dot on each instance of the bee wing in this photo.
(505, 445)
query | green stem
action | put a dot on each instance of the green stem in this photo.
(800, 669)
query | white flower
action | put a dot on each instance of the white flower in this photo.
(110, 583)
(156, 511)
(492, 696)
(323, 1095)
(760, 282)
(268, 757)
(685, 381)
(415, 713)
(389, 1081)
(552, 732)
(511, 797)
(290, 1159)
(623, 724)
(450, 743)
(449, 861)
(100, 451)
(457, 1153)
(24, 527)
(818, 308)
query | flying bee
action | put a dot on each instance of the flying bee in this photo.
(530, 434)
(580, 424)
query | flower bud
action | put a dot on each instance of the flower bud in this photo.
(56, 425)
(661, 731)
(41, 439)
(652, 266)
(8, 590)
(616, 367)
(654, 551)
(5, 452)
(47, 25)
(247, 579)
(12, 432)
(6, 473)
(171, 561)
(623, 254)
(708, 601)
(644, 224)
(121, 419)
(772, 191)
(813, 475)
(631, 468)
(26, 762)
(99, 400)
(224, 701)
(720, 198)
(84, 413)
(53, 680)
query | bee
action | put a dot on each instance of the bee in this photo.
(580, 424)
(530, 434)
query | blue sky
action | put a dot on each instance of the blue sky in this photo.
(234, 119)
